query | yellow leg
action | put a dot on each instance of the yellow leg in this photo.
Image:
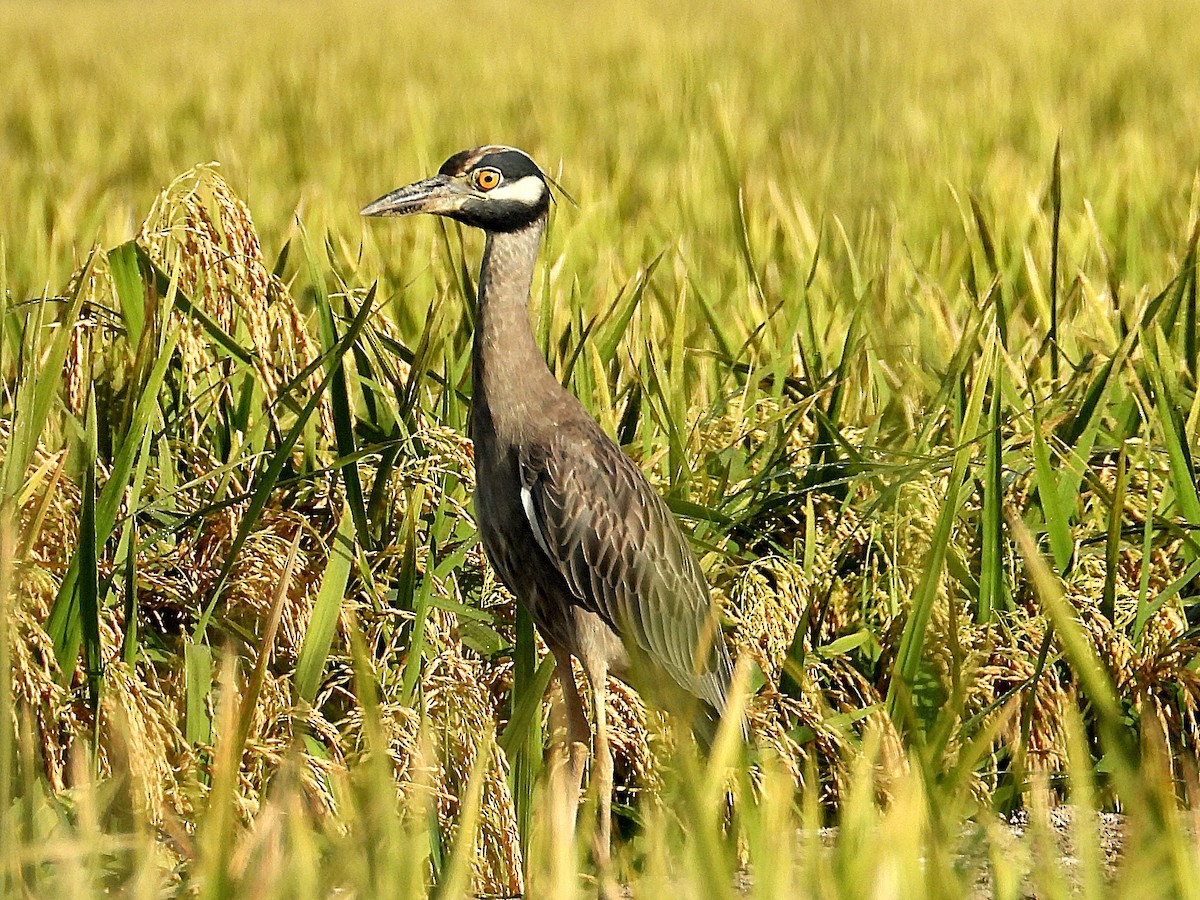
(572, 757)
(602, 772)
(578, 733)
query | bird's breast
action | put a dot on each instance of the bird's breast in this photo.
(507, 537)
(523, 566)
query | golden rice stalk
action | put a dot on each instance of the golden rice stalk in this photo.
(770, 599)
(48, 512)
(771, 596)
(1156, 675)
(463, 722)
(272, 739)
(247, 600)
(40, 702)
(200, 230)
(446, 452)
(629, 735)
(401, 732)
(90, 360)
(140, 736)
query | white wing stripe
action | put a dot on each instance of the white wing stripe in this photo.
(531, 515)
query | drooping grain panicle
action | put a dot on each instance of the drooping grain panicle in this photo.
(201, 235)
(868, 297)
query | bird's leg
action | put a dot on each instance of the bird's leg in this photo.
(574, 756)
(602, 772)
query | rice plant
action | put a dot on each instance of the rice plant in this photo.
(897, 308)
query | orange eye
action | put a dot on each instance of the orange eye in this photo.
(486, 179)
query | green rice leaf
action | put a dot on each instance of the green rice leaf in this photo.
(89, 578)
(62, 625)
(125, 268)
(1057, 513)
(269, 478)
(1055, 249)
(36, 395)
(912, 640)
(1183, 470)
(993, 588)
(197, 667)
(326, 611)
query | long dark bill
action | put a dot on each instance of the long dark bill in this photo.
(433, 195)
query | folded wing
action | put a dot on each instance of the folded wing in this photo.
(622, 555)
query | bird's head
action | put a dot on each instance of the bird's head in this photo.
(494, 188)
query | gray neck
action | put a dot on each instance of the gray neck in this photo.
(511, 381)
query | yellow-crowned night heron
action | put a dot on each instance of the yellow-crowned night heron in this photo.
(570, 524)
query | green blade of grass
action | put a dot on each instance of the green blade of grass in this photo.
(992, 593)
(1148, 607)
(326, 609)
(129, 537)
(525, 718)
(125, 268)
(428, 347)
(267, 481)
(1182, 469)
(89, 579)
(613, 326)
(1164, 308)
(129, 640)
(995, 292)
(63, 625)
(1112, 540)
(720, 326)
(1078, 435)
(1055, 247)
(1191, 325)
(197, 669)
(912, 640)
(675, 401)
(660, 401)
(521, 739)
(1078, 648)
(1056, 513)
(340, 386)
(343, 424)
(1093, 400)
(422, 600)
(38, 392)
(406, 579)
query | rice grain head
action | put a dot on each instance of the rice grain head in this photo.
(200, 230)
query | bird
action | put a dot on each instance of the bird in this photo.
(570, 524)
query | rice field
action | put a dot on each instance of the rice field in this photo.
(895, 303)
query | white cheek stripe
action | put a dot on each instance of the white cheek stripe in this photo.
(528, 191)
(531, 515)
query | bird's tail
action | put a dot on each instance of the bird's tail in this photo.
(706, 722)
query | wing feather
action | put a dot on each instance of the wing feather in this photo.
(617, 546)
